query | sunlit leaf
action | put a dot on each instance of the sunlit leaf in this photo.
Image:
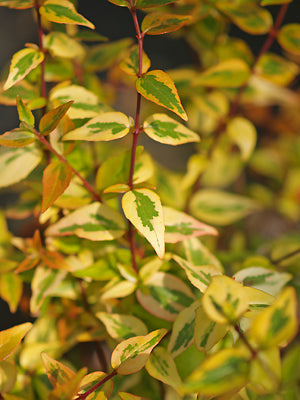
(57, 373)
(56, 178)
(24, 112)
(118, 290)
(221, 208)
(19, 137)
(229, 73)
(182, 335)
(258, 301)
(132, 354)
(163, 129)
(207, 332)
(95, 221)
(51, 119)
(143, 209)
(289, 38)
(130, 64)
(158, 23)
(157, 86)
(107, 126)
(277, 324)
(164, 295)
(22, 63)
(16, 164)
(162, 367)
(223, 372)
(225, 300)
(199, 276)
(11, 287)
(121, 327)
(10, 338)
(243, 133)
(198, 254)
(63, 12)
(61, 45)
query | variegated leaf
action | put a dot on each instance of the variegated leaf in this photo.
(107, 126)
(23, 89)
(152, 3)
(144, 210)
(180, 226)
(132, 354)
(164, 295)
(258, 301)
(61, 45)
(225, 300)
(57, 373)
(118, 290)
(277, 324)
(162, 367)
(63, 12)
(10, 338)
(19, 137)
(157, 86)
(158, 23)
(243, 133)
(277, 69)
(289, 38)
(68, 389)
(122, 327)
(22, 63)
(221, 208)
(223, 372)
(11, 287)
(18, 4)
(25, 115)
(95, 221)
(197, 254)
(207, 332)
(56, 178)
(51, 119)
(183, 330)
(101, 393)
(199, 276)
(16, 164)
(229, 73)
(130, 64)
(163, 129)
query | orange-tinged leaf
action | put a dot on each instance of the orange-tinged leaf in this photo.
(10, 338)
(158, 23)
(19, 137)
(28, 263)
(144, 210)
(57, 373)
(22, 63)
(157, 86)
(56, 178)
(132, 354)
(52, 118)
(68, 390)
(63, 12)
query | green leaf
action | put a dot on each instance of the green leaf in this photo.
(164, 129)
(56, 178)
(23, 89)
(182, 335)
(10, 338)
(278, 324)
(125, 395)
(57, 373)
(200, 277)
(162, 367)
(197, 254)
(132, 354)
(158, 23)
(157, 86)
(180, 226)
(130, 64)
(144, 210)
(251, 19)
(243, 133)
(289, 38)
(122, 327)
(25, 115)
(19, 137)
(225, 300)
(95, 221)
(152, 3)
(223, 372)
(51, 119)
(276, 69)
(105, 127)
(16, 164)
(22, 63)
(121, 3)
(227, 74)
(221, 208)
(63, 12)
(164, 295)
(270, 2)
(207, 332)
(11, 287)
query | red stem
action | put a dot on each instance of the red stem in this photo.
(95, 387)
(41, 46)
(42, 139)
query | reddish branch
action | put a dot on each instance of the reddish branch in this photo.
(95, 387)
(41, 46)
